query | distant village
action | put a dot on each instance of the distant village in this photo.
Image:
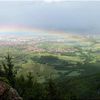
(31, 43)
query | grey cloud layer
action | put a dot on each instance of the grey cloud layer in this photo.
(67, 16)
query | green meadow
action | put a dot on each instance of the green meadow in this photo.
(57, 70)
(69, 60)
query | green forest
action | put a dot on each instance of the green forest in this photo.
(52, 76)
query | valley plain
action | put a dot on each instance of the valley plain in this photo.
(58, 55)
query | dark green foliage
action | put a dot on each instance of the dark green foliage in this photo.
(29, 88)
(70, 88)
(9, 71)
(52, 91)
(83, 87)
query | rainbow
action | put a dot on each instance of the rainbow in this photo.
(17, 28)
(21, 28)
(29, 29)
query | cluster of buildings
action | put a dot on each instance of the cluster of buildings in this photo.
(30, 43)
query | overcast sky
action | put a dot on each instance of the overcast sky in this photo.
(65, 16)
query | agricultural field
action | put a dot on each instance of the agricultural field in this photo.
(55, 55)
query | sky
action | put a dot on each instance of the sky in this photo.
(49, 0)
(69, 16)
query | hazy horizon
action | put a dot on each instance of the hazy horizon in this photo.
(81, 17)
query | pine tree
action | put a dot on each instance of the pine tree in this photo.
(8, 67)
